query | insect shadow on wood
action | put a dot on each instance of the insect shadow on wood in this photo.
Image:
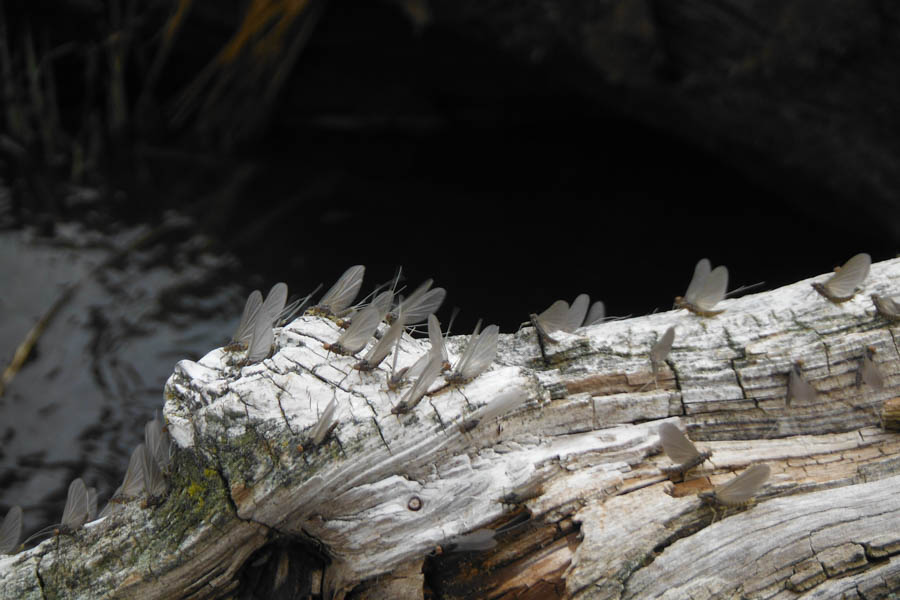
(706, 289)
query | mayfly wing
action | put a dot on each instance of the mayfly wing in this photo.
(798, 387)
(323, 425)
(660, 350)
(500, 405)
(274, 304)
(261, 341)
(701, 274)
(364, 325)
(427, 305)
(577, 312)
(713, 289)
(295, 308)
(380, 350)
(157, 442)
(154, 480)
(596, 314)
(248, 319)
(478, 540)
(75, 514)
(554, 318)
(11, 530)
(412, 300)
(133, 484)
(870, 373)
(479, 354)
(743, 487)
(843, 284)
(344, 291)
(676, 445)
(435, 337)
(418, 389)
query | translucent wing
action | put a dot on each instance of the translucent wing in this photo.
(844, 283)
(479, 354)
(555, 318)
(577, 312)
(380, 350)
(799, 388)
(662, 347)
(154, 480)
(92, 503)
(701, 274)
(499, 406)
(418, 389)
(133, 484)
(248, 319)
(75, 514)
(261, 341)
(435, 337)
(713, 289)
(364, 325)
(428, 304)
(157, 442)
(676, 445)
(480, 539)
(323, 425)
(886, 307)
(274, 304)
(596, 314)
(870, 374)
(743, 487)
(409, 305)
(344, 291)
(11, 530)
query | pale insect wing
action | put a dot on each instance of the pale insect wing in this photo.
(844, 283)
(274, 303)
(261, 341)
(382, 302)
(324, 423)
(713, 290)
(500, 405)
(743, 487)
(384, 345)
(435, 337)
(799, 388)
(418, 389)
(871, 375)
(701, 274)
(418, 367)
(478, 540)
(361, 329)
(555, 318)
(676, 445)
(467, 351)
(596, 314)
(92, 503)
(75, 514)
(484, 350)
(344, 291)
(11, 530)
(663, 346)
(154, 481)
(406, 304)
(157, 442)
(133, 484)
(577, 312)
(427, 305)
(248, 319)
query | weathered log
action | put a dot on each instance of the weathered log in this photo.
(570, 478)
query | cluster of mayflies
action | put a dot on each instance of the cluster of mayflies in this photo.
(146, 474)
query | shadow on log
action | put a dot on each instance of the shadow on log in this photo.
(569, 479)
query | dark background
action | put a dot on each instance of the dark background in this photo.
(512, 182)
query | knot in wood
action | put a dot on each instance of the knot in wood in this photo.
(415, 503)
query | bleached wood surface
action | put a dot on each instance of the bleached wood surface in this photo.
(582, 449)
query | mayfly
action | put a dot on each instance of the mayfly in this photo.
(740, 490)
(887, 307)
(415, 393)
(77, 509)
(342, 293)
(437, 341)
(660, 351)
(868, 371)
(841, 286)
(497, 407)
(363, 326)
(421, 303)
(132, 485)
(157, 455)
(707, 288)
(244, 330)
(325, 424)
(380, 350)
(680, 450)
(596, 314)
(263, 336)
(478, 355)
(11, 530)
(798, 387)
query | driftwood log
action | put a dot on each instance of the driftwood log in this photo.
(570, 478)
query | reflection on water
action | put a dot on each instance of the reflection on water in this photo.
(79, 404)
